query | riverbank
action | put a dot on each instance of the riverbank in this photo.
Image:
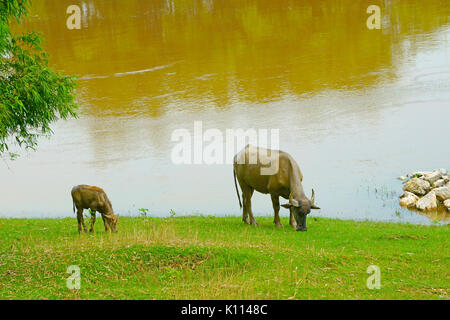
(221, 258)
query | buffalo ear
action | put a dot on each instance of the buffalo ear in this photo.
(292, 203)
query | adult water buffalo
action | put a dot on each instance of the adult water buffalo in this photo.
(274, 172)
(94, 198)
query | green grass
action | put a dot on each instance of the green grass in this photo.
(221, 258)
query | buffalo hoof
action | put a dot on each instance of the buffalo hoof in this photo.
(302, 229)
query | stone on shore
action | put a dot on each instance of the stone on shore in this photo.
(432, 176)
(438, 184)
(417, 186)
(442, 193)
(408, 199)
(426, 190)
(429, 202)
(447, 204)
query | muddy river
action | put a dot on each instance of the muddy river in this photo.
(355, 107)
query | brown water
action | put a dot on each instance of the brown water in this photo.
(355, 107)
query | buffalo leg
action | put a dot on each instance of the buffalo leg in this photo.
(80, 220)
(244, 210)
(245, 189)
(276, 210)
(93, 214)
(79, 216)
(247, 197)
(84, 225)
(292, 221)
(105, 223)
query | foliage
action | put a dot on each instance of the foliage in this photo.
(143, 212)
(32, 95)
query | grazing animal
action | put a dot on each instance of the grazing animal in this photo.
(285, 181)
(94, 198)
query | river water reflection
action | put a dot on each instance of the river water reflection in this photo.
(355, 107)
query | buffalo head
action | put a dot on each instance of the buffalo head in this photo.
(300, 209)
(112, 221)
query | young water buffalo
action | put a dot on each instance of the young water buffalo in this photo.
(274, 172)
(94, 198)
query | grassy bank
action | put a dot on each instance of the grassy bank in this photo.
(221, 258)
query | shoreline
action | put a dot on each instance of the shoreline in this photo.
(430, 221)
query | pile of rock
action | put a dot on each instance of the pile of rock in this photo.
(426, 190)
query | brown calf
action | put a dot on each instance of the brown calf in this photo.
(94, 198)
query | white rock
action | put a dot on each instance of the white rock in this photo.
(428, 202)
(404, 194)
(408, 199)
(417, 186)
(447, 204)
(442, 193)
(433, 176)
(446, 178)
(443, 171)
(438, 184)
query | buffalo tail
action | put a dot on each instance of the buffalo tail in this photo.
(235, 184)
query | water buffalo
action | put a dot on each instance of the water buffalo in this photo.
(94, 198)
(284, 181)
